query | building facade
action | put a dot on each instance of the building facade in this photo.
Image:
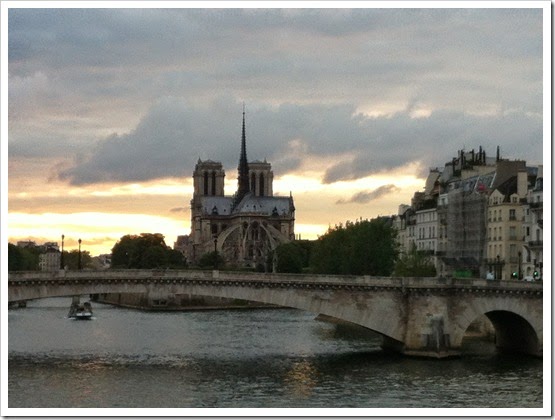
(505, 227)
(243, 228)
(50, 258)
(532, 264)
(479, 217)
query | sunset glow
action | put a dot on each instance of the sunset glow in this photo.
(107, 122)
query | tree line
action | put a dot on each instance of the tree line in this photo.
(27, 258)
(147, 250)
(365, 247)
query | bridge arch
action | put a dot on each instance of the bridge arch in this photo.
(516, 328)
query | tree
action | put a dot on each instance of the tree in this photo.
(71, 259)
(154, 256)
(360, 248)
(22, 259)
(147, 250)
(176, 259)
(415, 263)
(212, 260)
(290, 258)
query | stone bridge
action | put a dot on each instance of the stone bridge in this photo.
(416, 316)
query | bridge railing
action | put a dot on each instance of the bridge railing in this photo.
(248, 277)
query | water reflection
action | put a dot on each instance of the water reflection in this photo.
(262, 358)
(301, 378)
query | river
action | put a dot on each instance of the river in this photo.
(242, 358)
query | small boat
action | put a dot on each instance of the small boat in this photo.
(77, 311)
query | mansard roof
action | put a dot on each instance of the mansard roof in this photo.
(508, 187)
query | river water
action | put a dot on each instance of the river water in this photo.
(242, 358)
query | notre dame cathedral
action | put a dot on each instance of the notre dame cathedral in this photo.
(244, 227)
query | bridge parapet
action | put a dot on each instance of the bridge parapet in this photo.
(293, 279)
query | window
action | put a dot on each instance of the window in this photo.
(512, 214)
(261, 182)
(206, 183)
(512, 233)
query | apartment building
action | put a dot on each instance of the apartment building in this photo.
(478, 216)
(505, 227)
(532, 258)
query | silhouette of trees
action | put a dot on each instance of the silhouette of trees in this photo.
(147, 250)
(23, 259)
(290, 258)
(212, 260)
(359, 248)
(71, 259)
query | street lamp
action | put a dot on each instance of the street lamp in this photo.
(519, 265)
(215, 252)
(62, 257)
(79, 260)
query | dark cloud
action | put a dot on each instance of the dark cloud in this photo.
(179, 210)
(432, 141)
(363, 197)
(170, 139)
(304, 73)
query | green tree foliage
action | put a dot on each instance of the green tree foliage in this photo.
(415, 263)
(22, 259)
(212, 260)
(290, 258)
(147, 250)
(71, 259)
(359, 248)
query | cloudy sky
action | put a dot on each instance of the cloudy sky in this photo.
(109, 109)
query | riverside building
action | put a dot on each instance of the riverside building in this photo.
(478, 217)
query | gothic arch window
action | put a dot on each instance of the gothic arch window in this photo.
(205, 183)
(213, 182)
(261, 184)
(253, 182)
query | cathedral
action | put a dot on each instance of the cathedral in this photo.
(244, 228)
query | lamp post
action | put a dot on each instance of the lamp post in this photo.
(498, 270)
(215, 252)
(79, 260)
(62, 256)
(519, 265)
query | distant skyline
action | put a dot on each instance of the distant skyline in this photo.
(110, 109)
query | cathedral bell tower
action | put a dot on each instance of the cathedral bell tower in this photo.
(208, 179)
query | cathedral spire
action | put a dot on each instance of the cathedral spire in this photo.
(243, 168)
